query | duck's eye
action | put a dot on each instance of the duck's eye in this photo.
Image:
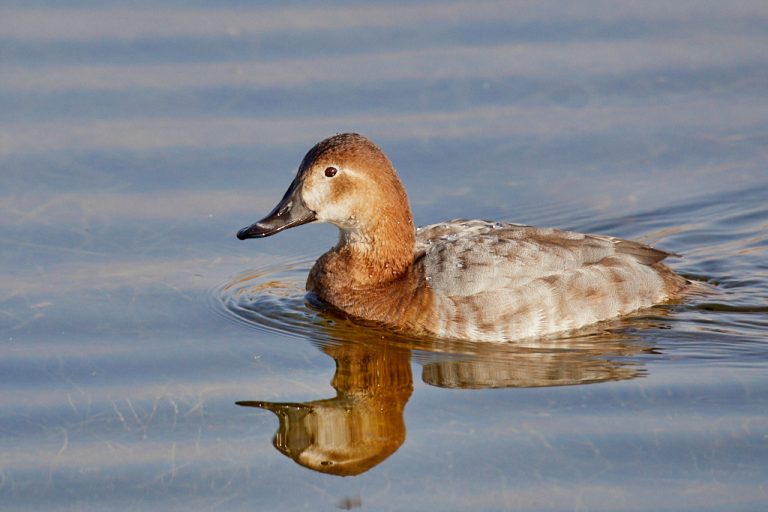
(331, 171)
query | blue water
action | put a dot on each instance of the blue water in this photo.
(135, 139)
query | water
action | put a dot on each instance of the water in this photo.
(136, 139)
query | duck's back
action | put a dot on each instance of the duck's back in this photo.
(499, 281)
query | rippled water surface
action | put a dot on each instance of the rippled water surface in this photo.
(151, 361)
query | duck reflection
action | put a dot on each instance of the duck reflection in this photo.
(363, 424)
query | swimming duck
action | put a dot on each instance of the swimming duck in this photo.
(463, 279)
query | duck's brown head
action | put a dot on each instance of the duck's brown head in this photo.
(348, 181)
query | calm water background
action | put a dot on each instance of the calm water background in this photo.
(136, 138)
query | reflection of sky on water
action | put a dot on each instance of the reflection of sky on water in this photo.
(135, 140)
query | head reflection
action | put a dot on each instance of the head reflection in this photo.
(358, 428)
(363, 424)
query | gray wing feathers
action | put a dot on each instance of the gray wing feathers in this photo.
(465, 257)
(643, 253)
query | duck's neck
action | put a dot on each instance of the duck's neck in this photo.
(380, 252)
(367, 258)
(370, 274)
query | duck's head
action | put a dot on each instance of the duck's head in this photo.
(345, 180)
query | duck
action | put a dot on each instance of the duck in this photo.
(474, 280)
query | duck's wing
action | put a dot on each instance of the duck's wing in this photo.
(467, 257)
(643, 253)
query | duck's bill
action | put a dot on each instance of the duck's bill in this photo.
(290, 212)
(275, 407)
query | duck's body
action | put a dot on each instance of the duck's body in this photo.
(474, 280)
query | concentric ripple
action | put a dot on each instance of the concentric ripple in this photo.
(270, 298)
